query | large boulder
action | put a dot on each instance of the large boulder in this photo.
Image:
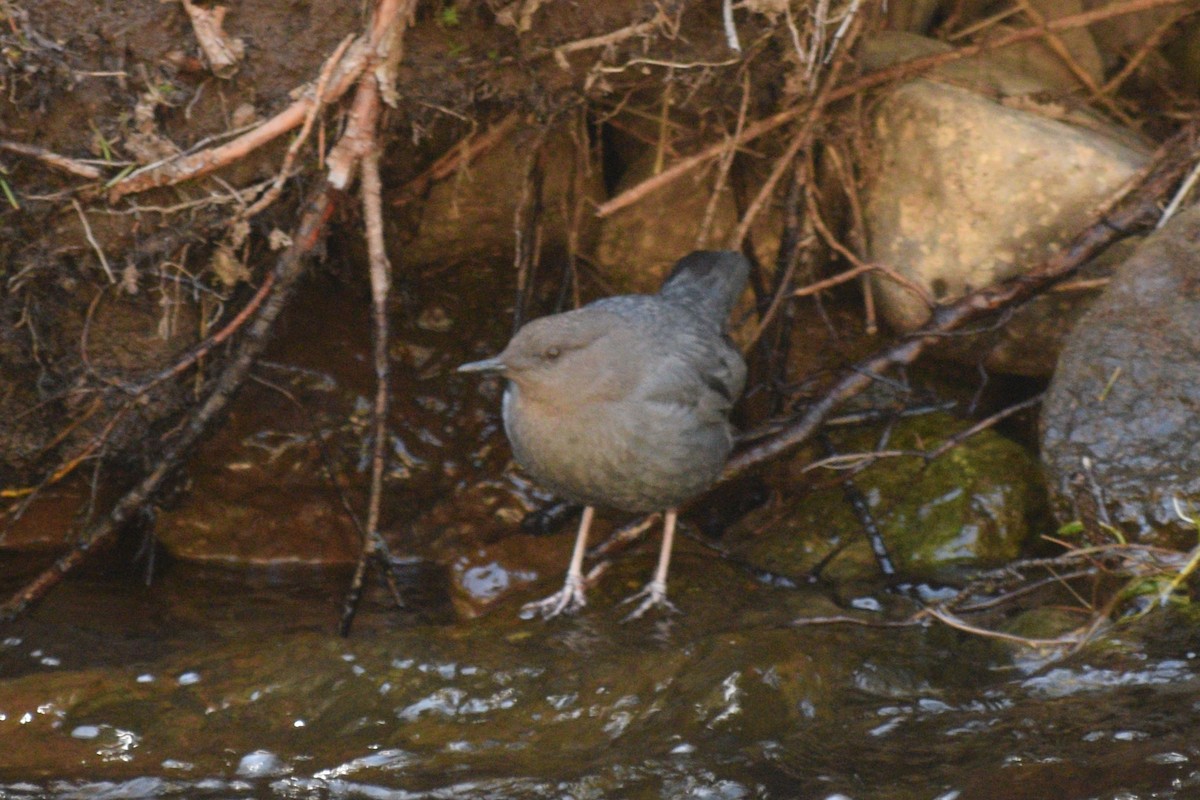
(973, 182)
(1126, 395)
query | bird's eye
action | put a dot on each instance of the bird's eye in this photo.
(551, 353)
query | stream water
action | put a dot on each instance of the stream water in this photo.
(213, 683)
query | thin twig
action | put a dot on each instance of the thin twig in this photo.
(87, 232)
(723, 165)
(983, 424)
(71, 165)
(285, 169)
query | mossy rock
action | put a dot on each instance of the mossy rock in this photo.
(974, 506)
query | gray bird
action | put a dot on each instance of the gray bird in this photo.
(625, 404)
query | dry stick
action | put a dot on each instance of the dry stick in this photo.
(310, 117)
(859, 268)
(603, 40)
(905, 69)
(946, 618)
(1135, 207)
(1147, 47)
(205, 347)
(87, 232)
(70, 165)
(788, 258)
(861, 460)
(359, 147)
(723, 166)
(858, 236)
(288, 270)
(982, 425)
(381, 284)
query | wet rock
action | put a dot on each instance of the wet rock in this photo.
(476, 534)
(1126, 395)
(1007, 180)
(973, 506)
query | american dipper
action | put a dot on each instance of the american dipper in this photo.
(625, 403)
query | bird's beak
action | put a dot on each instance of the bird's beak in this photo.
(487, 365)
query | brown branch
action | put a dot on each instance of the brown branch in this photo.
(606, 39)
(381, 283)
(983, 424)
(359, 148)
(205, 347)
(289, 157)
(1060, 49)
(1137, 206)
(1150, 45)
(64, 163)
(724, 163)
(796, 237)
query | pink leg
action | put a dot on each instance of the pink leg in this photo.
(655, 592)
(571, 597)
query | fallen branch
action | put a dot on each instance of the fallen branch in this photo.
(1138, 206)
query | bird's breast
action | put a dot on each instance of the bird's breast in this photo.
(635, 455)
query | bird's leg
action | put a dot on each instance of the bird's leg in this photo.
(570, 598)
(654, 593)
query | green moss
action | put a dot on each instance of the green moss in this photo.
(975, 505)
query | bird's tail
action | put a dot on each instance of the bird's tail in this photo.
(708, 282)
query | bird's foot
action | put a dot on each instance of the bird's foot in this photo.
(568, 600)
(652, 595)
